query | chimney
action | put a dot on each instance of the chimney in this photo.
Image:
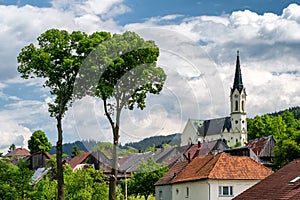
(199, 144)
(189, 157)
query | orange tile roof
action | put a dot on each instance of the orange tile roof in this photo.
(223, 166)
(18, 152)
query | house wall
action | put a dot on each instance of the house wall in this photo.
(189, 134)
(208, 189)
(165, 191)
(197, 190)
(238, 186)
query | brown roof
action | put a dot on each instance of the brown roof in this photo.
(223, 166)
(172, 173)
(258, 145)
(18, 152)
(277, 185)
(78, 159)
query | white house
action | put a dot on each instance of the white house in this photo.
(213, 177)
(232, 130)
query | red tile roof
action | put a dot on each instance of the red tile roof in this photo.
(18, 152)
(223, 166)
(78, 159)
(277, 185)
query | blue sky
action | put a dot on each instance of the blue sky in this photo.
(198, 41)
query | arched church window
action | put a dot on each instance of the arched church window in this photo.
(236, 105)
(243, 105)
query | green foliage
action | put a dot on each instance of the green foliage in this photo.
(14, 181)
(58, 58)
(39, 142)
(285, 151)
(88, 184)
(147, 174)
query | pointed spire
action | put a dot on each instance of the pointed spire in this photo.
(238, 82)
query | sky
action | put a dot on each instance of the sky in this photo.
(198, 41)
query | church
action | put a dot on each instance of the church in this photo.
(232, 130)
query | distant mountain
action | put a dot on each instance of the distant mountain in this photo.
(155, 141)
(82, 146)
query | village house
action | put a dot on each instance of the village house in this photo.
(283, 184)
(17, 153)
(38, 160)
(213, 177)
(96, 160)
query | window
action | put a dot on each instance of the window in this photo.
(243, 105)
(236, 105)
(225, 191)
(160, 195)
(187, 192)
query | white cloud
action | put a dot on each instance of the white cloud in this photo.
(198, 54)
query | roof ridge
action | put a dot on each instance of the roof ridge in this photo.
(219, 156)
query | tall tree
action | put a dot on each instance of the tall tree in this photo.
(121, 72)
(57, 59)
(39, 142)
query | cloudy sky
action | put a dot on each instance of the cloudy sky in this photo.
(198, 41)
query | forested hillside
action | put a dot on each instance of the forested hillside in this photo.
(155, 141)
(85, 145)
(143, 145)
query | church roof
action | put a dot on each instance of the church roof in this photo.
(212, 126)
(238, 82)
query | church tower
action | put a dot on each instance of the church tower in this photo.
(238, 105)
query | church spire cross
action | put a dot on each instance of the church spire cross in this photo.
(238, 82)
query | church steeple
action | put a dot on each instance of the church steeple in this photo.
(238, 104)
(238, 82)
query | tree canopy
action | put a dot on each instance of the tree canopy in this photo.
(121, 71)
(39, 142)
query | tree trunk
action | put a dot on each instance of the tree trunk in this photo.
(60, 175)
(114, 170)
